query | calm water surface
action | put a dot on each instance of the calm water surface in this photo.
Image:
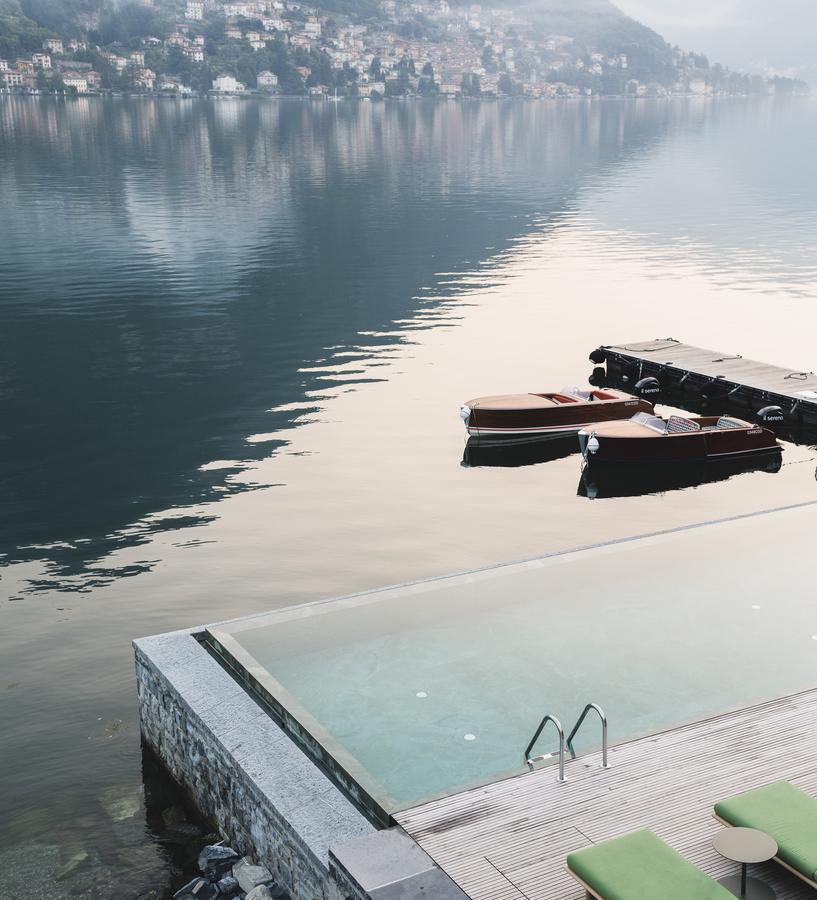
(234, 337)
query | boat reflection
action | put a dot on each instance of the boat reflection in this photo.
(639, 479)
(510, 453)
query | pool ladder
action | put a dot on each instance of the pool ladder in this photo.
(531, 760)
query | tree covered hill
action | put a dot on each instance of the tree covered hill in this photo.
(499, 47)
(24, 23)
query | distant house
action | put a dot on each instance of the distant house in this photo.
(226, 84)
(12, 79)
(77, 81)
(137, 57)
(144, 79)
(194, 10)
(267, 81)
(53, 45)
(120, 63)
(41, 60)
(174, 85)
(4, 66)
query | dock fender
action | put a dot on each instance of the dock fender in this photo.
(770, 416)
(648, 387)
(598, 356)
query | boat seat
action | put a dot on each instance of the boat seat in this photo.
(726, 422)
(679, 425)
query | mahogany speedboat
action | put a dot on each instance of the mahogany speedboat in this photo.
(648, 438)
(565, 412)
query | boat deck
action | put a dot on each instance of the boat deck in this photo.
(509, 840)
(753, 382)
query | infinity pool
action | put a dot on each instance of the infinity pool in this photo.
(429, 688)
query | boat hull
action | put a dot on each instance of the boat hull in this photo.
(496, 423)
(696, 446)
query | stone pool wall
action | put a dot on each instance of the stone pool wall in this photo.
(269, 799)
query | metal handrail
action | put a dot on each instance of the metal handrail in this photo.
(531, 760)
(578, 725)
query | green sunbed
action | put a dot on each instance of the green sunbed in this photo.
(640, 866)
(785, 813)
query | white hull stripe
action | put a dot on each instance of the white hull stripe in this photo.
(550, 429)
(642, 459)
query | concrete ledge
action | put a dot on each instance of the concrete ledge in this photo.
(390, 865)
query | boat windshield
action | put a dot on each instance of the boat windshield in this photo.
(577, 392)
(649, 421)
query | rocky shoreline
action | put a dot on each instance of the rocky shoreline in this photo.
(224, 873)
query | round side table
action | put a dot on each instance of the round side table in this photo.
(746, 845)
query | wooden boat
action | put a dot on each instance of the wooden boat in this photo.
(649, 438)
(565, 412)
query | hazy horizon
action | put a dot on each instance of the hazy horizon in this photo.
(747, 35)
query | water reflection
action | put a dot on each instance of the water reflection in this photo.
(173, 275)
(638, 480)
(509, 453)
(234, 343)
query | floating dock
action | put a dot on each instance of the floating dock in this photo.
(707, 375)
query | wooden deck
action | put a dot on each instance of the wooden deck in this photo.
(509, 840)
(749, 381)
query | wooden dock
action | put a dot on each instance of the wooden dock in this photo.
(696, 373)
(509, 840)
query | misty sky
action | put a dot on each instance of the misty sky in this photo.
(777, 36)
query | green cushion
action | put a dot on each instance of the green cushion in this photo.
(784, 812)
(640, 866)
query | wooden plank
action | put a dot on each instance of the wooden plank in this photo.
(515, 834)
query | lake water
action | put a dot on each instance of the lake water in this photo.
(234, 338)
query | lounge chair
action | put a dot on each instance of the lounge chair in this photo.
(785, 813)
(640, 866)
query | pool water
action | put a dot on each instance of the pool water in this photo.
(429, 688)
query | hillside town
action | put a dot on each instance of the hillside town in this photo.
(284, 47)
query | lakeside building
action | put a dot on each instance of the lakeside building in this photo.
(267, 81)
(226, 84)
(76, 81)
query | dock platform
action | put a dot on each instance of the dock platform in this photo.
(695, 373)
(509, 840)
